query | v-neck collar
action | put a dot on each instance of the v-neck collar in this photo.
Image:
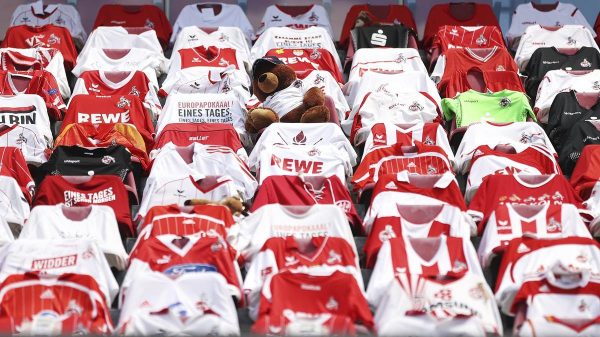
(167, 241)
(115, 85)
(482, 58)
(291, 245)
(434, 259)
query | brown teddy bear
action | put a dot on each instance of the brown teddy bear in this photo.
(282, 96)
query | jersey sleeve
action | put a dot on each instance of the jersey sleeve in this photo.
(489, 241)
(22, 175)
(438, 70)
(382, 275)
(79, 88)
(262, 266)
(450, 108)
(478, 204)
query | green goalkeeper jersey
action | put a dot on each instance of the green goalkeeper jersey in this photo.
(500, 107)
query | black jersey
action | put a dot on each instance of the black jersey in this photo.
(390, 36)
(586, 131)
(549, 58)
(565, 112)
(80, 161)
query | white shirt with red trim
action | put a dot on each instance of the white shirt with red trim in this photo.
(510, 221)
(557, 81)
(227, 15)
(205, 160)
(99, 225)
(28, 140)
(526, 15)
(304, 134)
(57, 257)
(290, 38)
(529, 260)
(403, 81)
(278, 254)
(527, 159)
(568, 36)
(280, 16)
(182, 308)
(553, 326)
(117, 37)
(275, 220)
(319, 160)
(151, 63)
(492, 134)
(222, 37)
(465, 299)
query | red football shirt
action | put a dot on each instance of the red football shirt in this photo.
(136, 16)
(184, 134)
(106, 190)
(13, 164)
(110, 110)
(37, 82)
(47, 36)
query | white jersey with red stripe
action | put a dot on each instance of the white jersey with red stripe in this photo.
(557, 81)
(492, 134)
(275, 220)
(100, 225)
(440, 255)
(57, 257)
(527, 159)
(528, 258)
(40, 14)
(567, 36)
(278, 254)
(463, 298)
(389, 107)
(305, 134)
(205, 160)
(222, 37)
(319, 160)
(511, 221)
(391, 82)
(301, 18)
(290, 38)
(152, 64)
(179, 190)
(178, 305)
(203, 108)
(387, 133)
(550, 326)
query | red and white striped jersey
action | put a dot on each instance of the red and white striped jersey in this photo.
(526, 159)
(511, 221)
(463, 299)
(418, 159)
(386, 134)
(403, 188)
(65, 304)
(199, 160)
(57, 257)
(37, 82)
(175, 255)
(415, 221)
(500, 189)
(467, 37)
(434, 256)
(528, 257)
(280, 254)
(320, 160)
(179, 190)
(182, 306)
(106, 83)
(185, 220)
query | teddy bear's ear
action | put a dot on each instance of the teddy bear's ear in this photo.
(194, 202)
(235, 205)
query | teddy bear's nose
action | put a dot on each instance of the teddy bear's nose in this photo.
(268, 82)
